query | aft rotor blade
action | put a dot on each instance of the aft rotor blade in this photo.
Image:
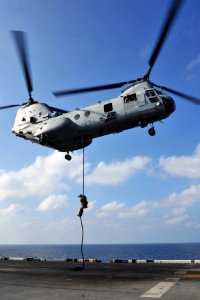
(91, 89)
(172, 13)
(180, 94)
(21, 44)
(9, 106)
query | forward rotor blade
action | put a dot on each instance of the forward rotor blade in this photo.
(21, 44)
(172, 13)
(9, 106)
(180, 94)
(91, 89)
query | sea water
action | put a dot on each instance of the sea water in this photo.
(104, 252)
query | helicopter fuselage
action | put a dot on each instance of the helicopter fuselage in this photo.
(138, 105)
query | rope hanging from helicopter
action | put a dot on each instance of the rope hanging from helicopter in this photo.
(82, 238)
(83, 200)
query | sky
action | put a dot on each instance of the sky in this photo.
(140, 189)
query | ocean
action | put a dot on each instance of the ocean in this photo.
(105, 252)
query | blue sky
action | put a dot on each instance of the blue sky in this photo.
(141, 189)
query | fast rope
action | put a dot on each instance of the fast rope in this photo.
(82, 244)
(82, 238)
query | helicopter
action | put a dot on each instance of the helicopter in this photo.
(140, 104)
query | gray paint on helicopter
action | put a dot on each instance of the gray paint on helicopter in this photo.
(64, 131)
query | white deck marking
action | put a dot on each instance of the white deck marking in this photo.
(159, 289)
(180, 272)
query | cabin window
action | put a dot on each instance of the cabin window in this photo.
(130, 98)
(77, 116)
(86, 113)
(108, 107)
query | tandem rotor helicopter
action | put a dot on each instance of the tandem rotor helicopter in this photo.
(141, 103)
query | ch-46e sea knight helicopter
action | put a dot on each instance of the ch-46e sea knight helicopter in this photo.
(140, 104)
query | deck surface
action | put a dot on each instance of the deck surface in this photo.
(62, 280)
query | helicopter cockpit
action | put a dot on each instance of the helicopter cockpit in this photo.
(155, 96)
(151, 95)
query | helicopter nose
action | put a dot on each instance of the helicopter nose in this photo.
(169, 103)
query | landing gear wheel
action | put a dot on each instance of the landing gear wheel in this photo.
(68, 157)
(152, 131)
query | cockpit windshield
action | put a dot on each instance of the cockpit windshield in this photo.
(151, 96)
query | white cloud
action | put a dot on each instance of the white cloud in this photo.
(117, 221)
(43, 177)
(140, 209)
(49, 174)
(186, 198)
(177, 216)
(176, 203)
(53, 202)
(91, 205)
(184, 166)
(175, 220)
(122, 211)
(178, 211)
(145, 51)
(109, 208)
(195, 62)
(112, 206)
(49, 177)
(9, 211)
(116, 172)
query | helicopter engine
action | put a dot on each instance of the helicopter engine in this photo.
(43, 124)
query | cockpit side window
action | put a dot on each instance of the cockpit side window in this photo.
(152, 96)
(130, 98)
